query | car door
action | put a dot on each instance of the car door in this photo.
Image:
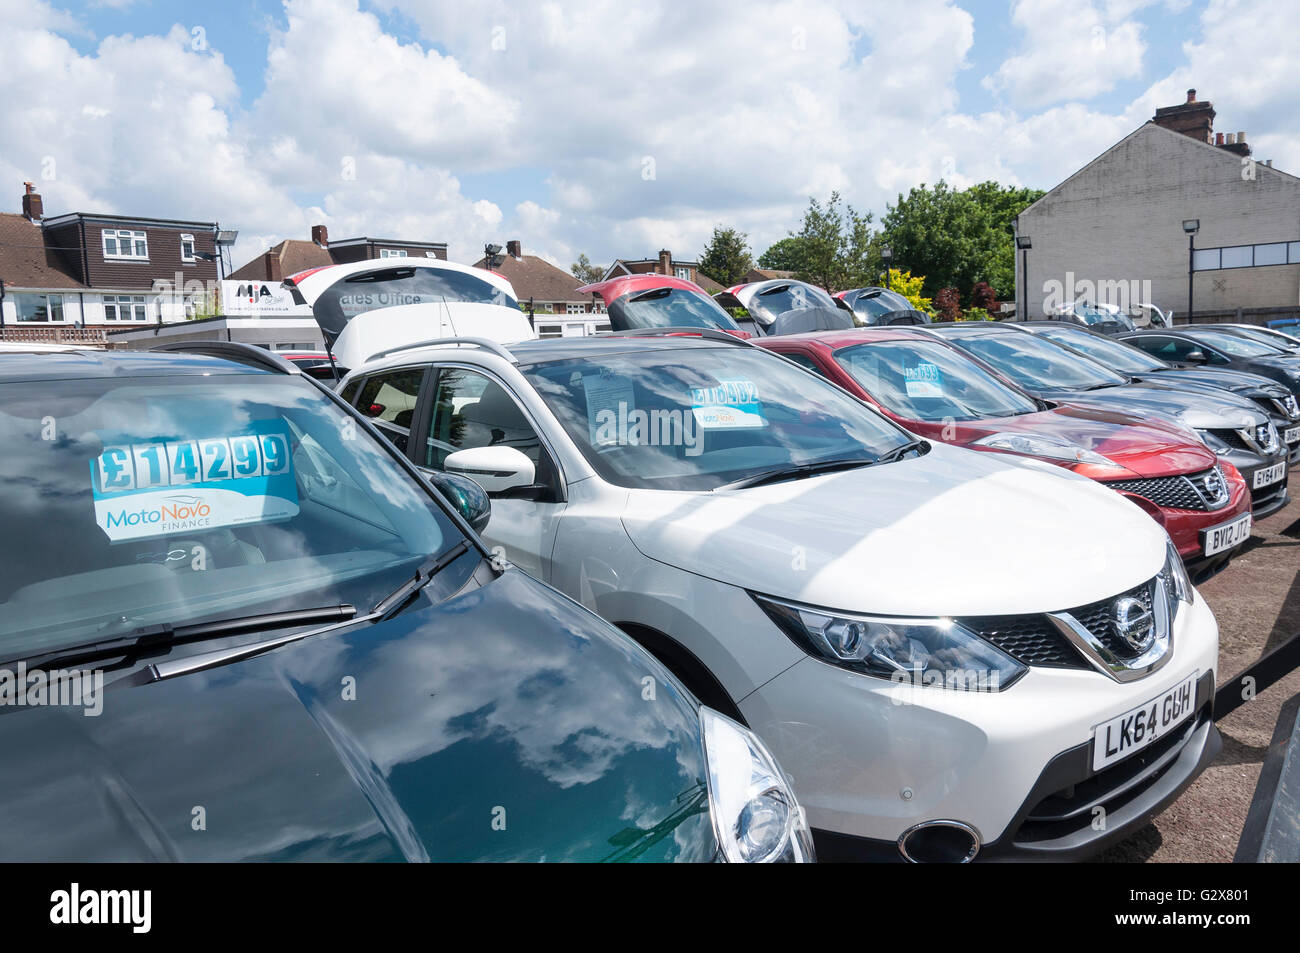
(389, 398)
(468, 407)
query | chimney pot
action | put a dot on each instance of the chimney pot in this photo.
(1191, 95)
(665, 262)
(515, 248)
(1218, 138)
(1241, 137)
(320, 235)
(1232, 139)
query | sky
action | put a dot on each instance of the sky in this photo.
(613, 128)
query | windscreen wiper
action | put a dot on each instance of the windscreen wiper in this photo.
(889, 456)
(796, 471)
(154, 636)
(387, 607)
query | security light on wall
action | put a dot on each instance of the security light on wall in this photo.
(226, 236)
(1192, 225)
(1022, 241)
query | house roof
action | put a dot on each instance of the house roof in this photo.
(707, 283)
(766, 274)
(537, 278)
(295, 255)
(25, 259)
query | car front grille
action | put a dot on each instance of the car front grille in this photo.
(1030, 639)
(1097, 619)
(1233, 439)
(1200, 491)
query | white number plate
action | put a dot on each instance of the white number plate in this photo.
(1266, 475)
(1291, 435)
(1134, 730)
(1226, 535)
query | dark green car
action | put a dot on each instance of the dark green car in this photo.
(235, 625)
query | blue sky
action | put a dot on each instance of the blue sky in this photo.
(610, 128)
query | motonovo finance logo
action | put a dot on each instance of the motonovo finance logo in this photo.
(169, 515)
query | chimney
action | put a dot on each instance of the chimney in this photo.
(32, 206)
(320, 235)
(1237, 143)
(1218, 138)
(1192, 118)
(665, 262)
(274, 267)
(514, 249)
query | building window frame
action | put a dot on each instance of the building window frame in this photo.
(134, 241)
(393, 253)
(1246, 256)
(187, 249)
(137, 306)
(51, 305)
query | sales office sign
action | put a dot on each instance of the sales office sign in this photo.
(258, 298)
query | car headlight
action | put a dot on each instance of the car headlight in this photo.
(1178, 585)
(1041, 445)
(1220, 447)
(938, 652)
(755, 815)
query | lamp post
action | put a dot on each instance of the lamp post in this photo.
(1024, 244)
(886, 255)
(1191, 226)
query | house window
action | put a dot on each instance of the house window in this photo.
(392, 253)
(1239, 256)
(41, 308)
(1274, 254)
(550, 331)
(125, 308)
(187, 248)
(572, 308)
(1205, 259)
(682, 273)
(122, 243)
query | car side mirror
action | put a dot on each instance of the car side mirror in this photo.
(1195, 357)
(465, 495)
(495, 469)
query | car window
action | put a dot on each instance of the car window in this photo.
(668, 308)
(389, 400)
(1175, 350)
(1237, 346)
(695, 418)
(174, 499)
(770, 303)
(924, 380)
(1035, 362)
(471, 409)
(1117, 355)
(803, 360)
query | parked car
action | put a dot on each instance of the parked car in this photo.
(775, 542)
(1193, 346)
(1104, 319)
(400, 299)
(1233, 427)
(941, 393)
(1261, 334)
(657, 301)
(1136, 364)
(301, 651)
(785, 306)
(875, 306)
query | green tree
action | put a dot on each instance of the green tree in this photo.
(726, 257)
(958, 238)
(585, 271)
(909, 287)
(835, 246)
(781, 256)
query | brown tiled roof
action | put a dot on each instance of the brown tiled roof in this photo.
(766, 274)
(537, 278)
(26, 262)
(294, 254)
(707, 283)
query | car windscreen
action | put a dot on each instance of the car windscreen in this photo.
(770, 303)
(695, 418)
(134, 502)
(924, 380)
(1271, 338)
(1235, 345)
(668, 308)
(1035, 363)
(392, 286)
(1116, 355)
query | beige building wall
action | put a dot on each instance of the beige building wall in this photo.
(1118, 221)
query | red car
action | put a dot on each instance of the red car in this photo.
(658, 301)
(935, 390)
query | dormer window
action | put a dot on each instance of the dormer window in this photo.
(392, 253)
(125, 244)
(187, 248)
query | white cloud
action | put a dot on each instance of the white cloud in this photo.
(1070, 51)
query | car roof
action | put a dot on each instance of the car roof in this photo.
(612, 289)
(566, 349)
(849, 336)
(973, 327)
(88, 363)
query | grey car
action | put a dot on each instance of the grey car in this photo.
(1123, 358)
(1235, 428)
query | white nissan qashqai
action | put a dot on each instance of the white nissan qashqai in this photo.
(952, 653)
